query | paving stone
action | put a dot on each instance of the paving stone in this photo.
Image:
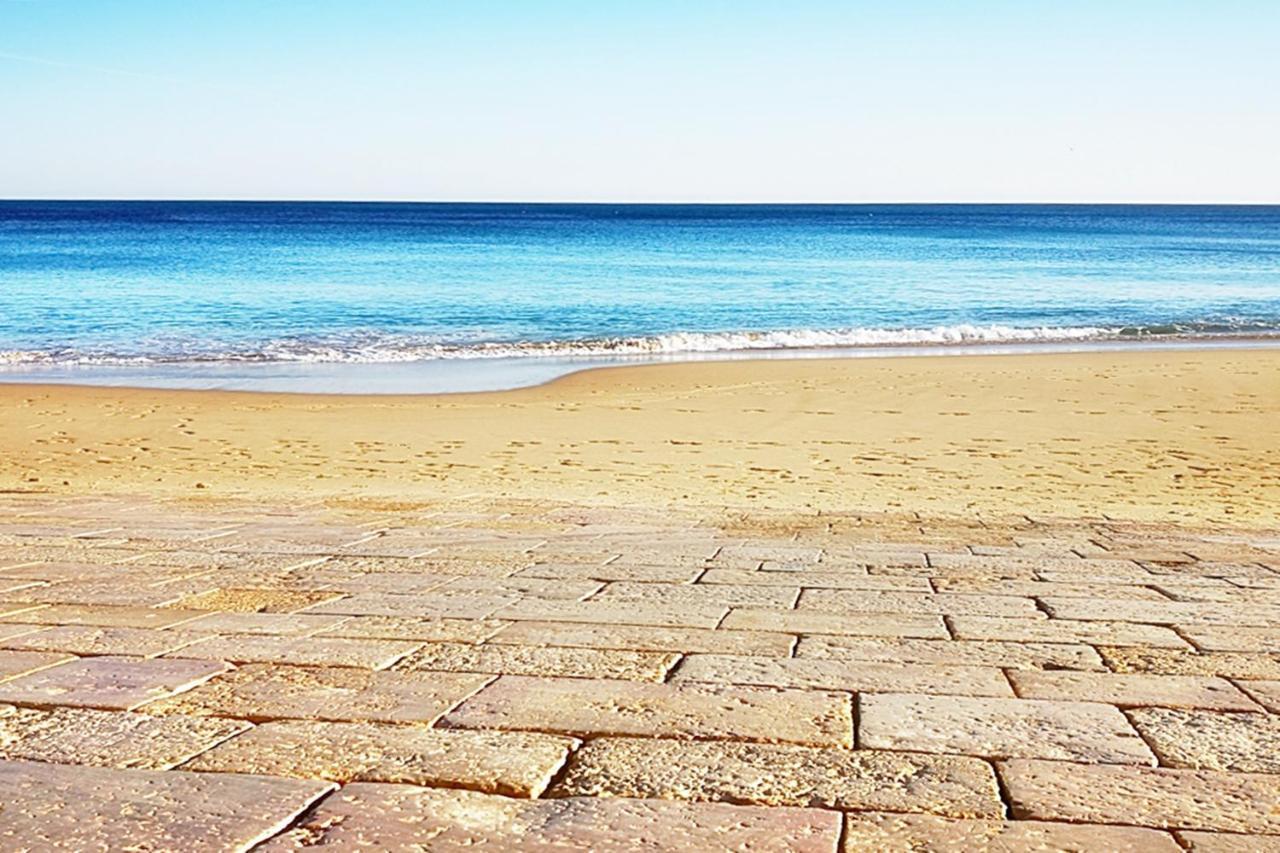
(1164, 612)
(781, 775)
(1226, 842)
(124, 591)
(962, 652)
(302, 651)
(401, 817)
(533, 660)
(1172, 662)
(8, 632)
(109, 738)
(699, 595)
(61, 807)
(916, 833)
(266, 692)
(1232, 638)
(613, 572)
(957, 565)
(1248, 743)
(17, 663)
(518, 764)
(104, 615)
(1128, 691)
(999, 728)
(1030, 588)
(919, 626)
(408, 628)
(616, 612)
(542, 588)
(425, 605)
(109, 683)
(1156, 797)
(271, 624)
(1266, 693)
(853, 676)
(606, 707)
(93, 640)
(1064, 631)
(814, 580)
(868, 601)
(645, 638)
(255, 600)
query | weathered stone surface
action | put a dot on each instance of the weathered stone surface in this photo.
(999, 728)
(1226, 842)
(16, 663)
(271, 624)
(255, 600)
(518, 764)
(107, 616)
(646, 638)
(1164, 612)
(916, 833)
(1034, 588)
(110, 683)
(854, 676)
(1201, 740)
(616, 613)
(1143, 796)
(543, 588)
(959, 652)
(1128, 691)
(1246, 665)
(775, 774)
(400, 817)
(1064, 631)
(604, 707)
(700, 595)
(302, 651)
(1265, 693)
(613, 572)
(433, 605)
(816, 580)
(266, 692)
(93, 640)
(533, 660)
(1232, 638)
(920, 626)
(60, 807)
(109, 738)
(867, 601)
(409, 628)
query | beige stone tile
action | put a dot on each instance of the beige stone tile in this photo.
(544, 588)
(1247, 665)
(1227, 842)
(813, 579)
(781, 775)
(55, 806)
(918, 833)
(255, 600)
(1030, 588)
(109, 738)
(409, 628)
(1163, 612)
(869, 601)
(1064, 631)
(1202, 740)
(853, 676)
(1266, 693)
(699, 595)
(920, 626)
(1232, 638)
(962, 652)
(8, 632)
(108, 683)
(266, 692)
(94, 640)
(645, 638)
(518, 764)
(1128, 691)
(17, 663)
(534, 660)
(301, 651)
(999, 728)
(107, 616)
(271, 624)
(1160, 797)
(123, 591)
(616, 612)
(419, 606)
(604, 707)
(400, 817)
(613, 572)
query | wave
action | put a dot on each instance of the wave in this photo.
(386, 348)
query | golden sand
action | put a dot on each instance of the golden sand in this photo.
(1192, 436)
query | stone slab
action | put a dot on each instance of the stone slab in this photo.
(300, 651)
(1233, 638)
(94, 640)
(270, 624)
(1228, 842)
(1129, 691)
(646, 638)
(410, 628)
(1064, 631)
(534, 660)
(17, 663)
(105, 615)
(853, 676)
(867, 601)
(1164, 612)
(583, 707)
(913, 833)
(816, 580)
(999, 653)
(1246, 665)
(700, 595)
(1248, 743)
(1265, 693)
(918, 626)
(255, 600)
(616, 613)
(108, 683)
(419, 606)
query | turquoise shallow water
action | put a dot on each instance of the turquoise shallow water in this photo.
(225, 292)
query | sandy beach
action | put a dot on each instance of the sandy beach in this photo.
(1187, 436)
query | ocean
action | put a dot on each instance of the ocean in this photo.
(428, 297)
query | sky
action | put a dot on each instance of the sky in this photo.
(642, 100)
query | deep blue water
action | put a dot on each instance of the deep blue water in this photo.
(145, 282)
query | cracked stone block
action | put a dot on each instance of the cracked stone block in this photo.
(781, 775)
(110, 683)
(853, 676)
(605, 707)
(547, 661)
(518, 764)
(917, 833)
(1128, 691)
(645, 638)
(1156, 797)
(1266, 693)
(999, 728)
(17, 663)
(109, 738)
(998, 653)
(920, 626)
(62, 807)
(1248, 743)
(302, 651)
(265, 692)
(401, 817)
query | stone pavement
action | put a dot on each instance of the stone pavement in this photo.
(215, 676)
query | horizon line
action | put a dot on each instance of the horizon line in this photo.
(629, 203)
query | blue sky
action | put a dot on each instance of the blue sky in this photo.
(698, 100)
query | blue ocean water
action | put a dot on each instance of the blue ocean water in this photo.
(132, 284)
